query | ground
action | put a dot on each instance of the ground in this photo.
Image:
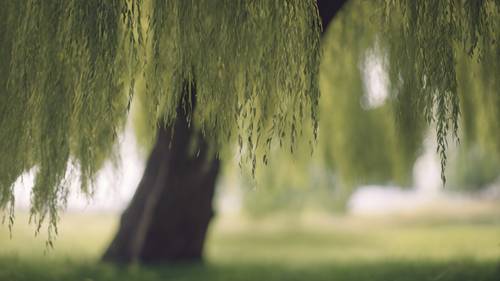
(308, 246)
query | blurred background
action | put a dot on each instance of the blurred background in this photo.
(300, 229)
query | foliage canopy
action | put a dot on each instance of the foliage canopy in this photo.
(70, 69)
(363, 140)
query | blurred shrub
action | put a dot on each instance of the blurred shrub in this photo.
(473, 168)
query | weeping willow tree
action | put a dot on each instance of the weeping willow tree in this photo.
(469, 34)
(69, 71)
(477, 161)
(441, 57)
(64, 69)
(237, 72)
(361, 140)
(438, 64)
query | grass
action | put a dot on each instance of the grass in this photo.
(309, 247)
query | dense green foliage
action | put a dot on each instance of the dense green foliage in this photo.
(64, 67)
(426, 41)
(442, 60)
(69, 71)
(363, 140)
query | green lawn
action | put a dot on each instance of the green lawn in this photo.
(311, 247)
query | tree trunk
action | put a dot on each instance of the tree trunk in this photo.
(168, 217)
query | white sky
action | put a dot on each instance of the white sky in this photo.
(115, 187)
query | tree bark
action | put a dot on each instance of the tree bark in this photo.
(168, 216)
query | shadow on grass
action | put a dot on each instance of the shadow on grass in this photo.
(15, 269)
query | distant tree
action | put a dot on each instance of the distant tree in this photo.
(205, 75)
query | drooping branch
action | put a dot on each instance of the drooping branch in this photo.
(68, 80)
